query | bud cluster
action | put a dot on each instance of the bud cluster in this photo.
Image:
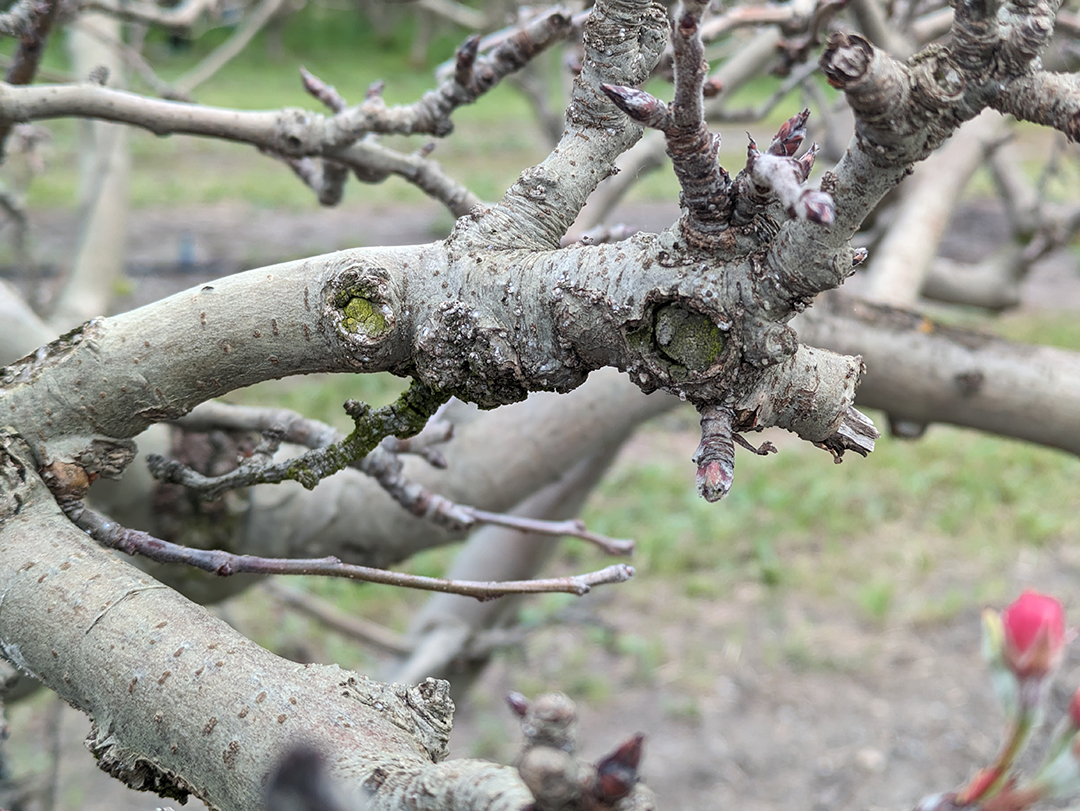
(1023, 646)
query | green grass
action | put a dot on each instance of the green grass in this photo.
(862, 531)
(487, 151)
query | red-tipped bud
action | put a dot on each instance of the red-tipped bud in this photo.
(712, 88)
(1034, 634)
(714, 480)
(617, 773)
(790, 137)
(806, 161)
(518, 704)
(641, 106)
(466, 56)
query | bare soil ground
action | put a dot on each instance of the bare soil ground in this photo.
(765, 698)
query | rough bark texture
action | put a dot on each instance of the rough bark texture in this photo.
(181, 703)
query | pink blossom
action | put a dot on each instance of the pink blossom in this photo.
(1034, 634)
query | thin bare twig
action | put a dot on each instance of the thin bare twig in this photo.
(798, 77)
(216, 561)
(134, 60)
(573, 527)
(382, 464)
(291, 133)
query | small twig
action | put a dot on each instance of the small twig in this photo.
(217, 561)
(798, 77)
(437, 432)
(368, 633)
(326, 93)
(692, 147)
(573, 527)
(496, 38)
(405, 417)
(382, 464)
(386, 469)
(134, 60)
(764, 449)
(296, 428)
(324, 177)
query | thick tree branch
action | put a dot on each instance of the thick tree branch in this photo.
(923, 372)
(224, 711)
(1051, 99)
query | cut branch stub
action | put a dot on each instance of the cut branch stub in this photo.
(715, 455)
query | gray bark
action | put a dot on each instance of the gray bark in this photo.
(921, 372)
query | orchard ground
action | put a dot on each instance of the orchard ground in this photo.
(810, 642)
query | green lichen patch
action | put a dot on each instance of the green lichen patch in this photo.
(363, 316)
(687, 338)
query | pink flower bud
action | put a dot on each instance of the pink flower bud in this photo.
(1034, 634)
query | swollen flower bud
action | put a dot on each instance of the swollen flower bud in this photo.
(617, 773)
(1034, 627)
